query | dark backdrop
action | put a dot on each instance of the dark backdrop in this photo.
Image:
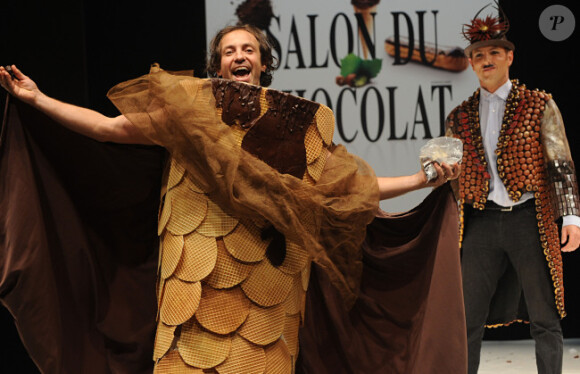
(76, 50)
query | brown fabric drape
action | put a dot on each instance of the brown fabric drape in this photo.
(78, 246)
(409, 317)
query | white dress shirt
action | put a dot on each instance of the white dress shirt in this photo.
(491, 111)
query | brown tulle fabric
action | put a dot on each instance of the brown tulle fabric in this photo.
(179, 113)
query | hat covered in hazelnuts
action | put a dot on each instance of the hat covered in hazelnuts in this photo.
(491, 30)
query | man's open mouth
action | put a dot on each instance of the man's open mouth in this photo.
(241, 72)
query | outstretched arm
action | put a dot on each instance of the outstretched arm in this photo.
(81, 120)
(390, 187)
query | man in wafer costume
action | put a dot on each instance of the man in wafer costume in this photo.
(254, 191)
(518, 180)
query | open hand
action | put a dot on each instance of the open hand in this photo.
(22, 87)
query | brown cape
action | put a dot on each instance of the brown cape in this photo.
(409, 315)
(68, 203)
(78, 246)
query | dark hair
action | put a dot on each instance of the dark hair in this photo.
(214, 60)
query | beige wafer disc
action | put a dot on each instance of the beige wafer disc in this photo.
(198, 259)
(163, 190)
(222, 311)
(264, 325)
(173, 364)
(160, 288)
(193, 184)
(228, 272)
(159, 257)
(176, 172)
(296, 258)
(171, 249)
(201, 348)
(245, 243)
(180, 300)
(244, 358)
(217, 222)
(325, 123)
(306, 178)
(163, 339)
(313, 144)
(311, 221)
(290, 334)
(188, 209)
(294, 303)
(164, 215)
(266, 285)
(315, 168)
(190, 87)
(278, 360)
(306, 276)
(238, 134)
(263, 102)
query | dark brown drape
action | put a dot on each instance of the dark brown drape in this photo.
(78, 246)
(409, 316)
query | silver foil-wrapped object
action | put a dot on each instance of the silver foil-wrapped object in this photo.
(443, 149)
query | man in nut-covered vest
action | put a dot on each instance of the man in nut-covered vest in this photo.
(518, 181)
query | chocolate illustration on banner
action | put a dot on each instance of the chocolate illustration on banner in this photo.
(257, 13)
(442, 57)
(365, 11)
(428, 53)
(356, 71)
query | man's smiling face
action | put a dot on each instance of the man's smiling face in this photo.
(240, 57)
(491, 65)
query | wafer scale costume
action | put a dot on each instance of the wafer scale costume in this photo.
(235, 254)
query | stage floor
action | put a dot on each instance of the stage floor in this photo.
(517, 357)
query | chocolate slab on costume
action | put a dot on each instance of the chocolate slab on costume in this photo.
(254, 193)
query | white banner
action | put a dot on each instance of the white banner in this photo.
(386, 105)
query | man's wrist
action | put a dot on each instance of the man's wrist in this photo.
(570, 220)
(422, 180)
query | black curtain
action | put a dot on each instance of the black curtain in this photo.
(76, 51)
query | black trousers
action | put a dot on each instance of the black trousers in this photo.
(492, 239)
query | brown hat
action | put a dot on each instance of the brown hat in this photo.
(482, 32)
